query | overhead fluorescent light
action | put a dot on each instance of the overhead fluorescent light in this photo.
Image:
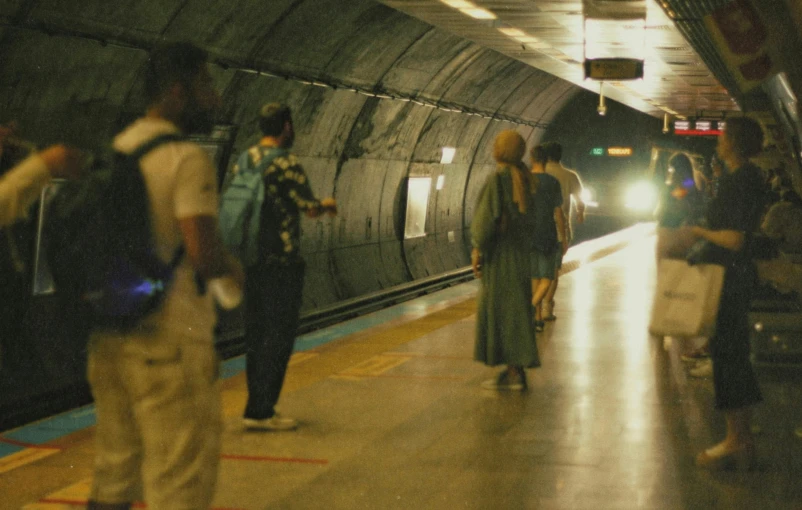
(521, 36)
(441, 180)
(470, 9)
(448, 155)
(459, 4)
(479, 13)
(512, 32)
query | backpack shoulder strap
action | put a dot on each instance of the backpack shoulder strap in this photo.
(267, 160)
(155, 142)
(139, 153)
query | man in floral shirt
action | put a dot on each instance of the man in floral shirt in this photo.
(274, 284)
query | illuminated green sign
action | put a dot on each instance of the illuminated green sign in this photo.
(597, 151)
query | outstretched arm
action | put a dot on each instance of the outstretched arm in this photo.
(20, 187)
(579, 204)
(729, 239)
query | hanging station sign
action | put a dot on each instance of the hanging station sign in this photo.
(619, 151)
(700, 127)
(613, 69)
(612, 151)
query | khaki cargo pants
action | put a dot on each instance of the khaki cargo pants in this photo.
(158, 422)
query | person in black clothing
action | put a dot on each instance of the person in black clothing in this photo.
(274, 284)
(550, 226)
(681, 204)
(732, 216)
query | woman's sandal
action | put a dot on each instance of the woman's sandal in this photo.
(742, 459)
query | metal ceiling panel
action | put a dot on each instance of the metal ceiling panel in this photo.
(553, 36)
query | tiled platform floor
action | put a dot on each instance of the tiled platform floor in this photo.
(394, 418)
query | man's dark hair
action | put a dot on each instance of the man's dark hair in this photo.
(554, 151)
(539, 154)
(169, 64)
(792, 197)
(272, 118)
(746, 136)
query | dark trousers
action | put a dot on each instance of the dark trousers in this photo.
(272, 308)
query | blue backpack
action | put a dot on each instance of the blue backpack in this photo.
(241, 206)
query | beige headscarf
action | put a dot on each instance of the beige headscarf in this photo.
(508, 150)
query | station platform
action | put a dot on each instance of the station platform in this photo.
(392, 415)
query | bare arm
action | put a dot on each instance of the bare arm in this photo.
(559, 219)
(729, 239)
(328, 205)
(205, 249)
(579, 204)
(580, 211)
(21, 186)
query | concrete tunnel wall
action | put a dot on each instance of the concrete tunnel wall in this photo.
(70, 71)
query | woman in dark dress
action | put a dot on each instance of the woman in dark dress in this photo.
(732, 216)
(501, 238)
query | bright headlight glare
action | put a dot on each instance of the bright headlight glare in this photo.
(586, 195)
(641, 197)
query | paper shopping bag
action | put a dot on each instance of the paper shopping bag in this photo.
(687, 298)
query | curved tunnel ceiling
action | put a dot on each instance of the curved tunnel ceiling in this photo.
(70, 64)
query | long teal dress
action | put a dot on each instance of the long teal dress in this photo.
(505, 332)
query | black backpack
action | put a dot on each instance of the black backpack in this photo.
(100, 246)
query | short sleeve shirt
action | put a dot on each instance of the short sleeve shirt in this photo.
(547, 198)
(287, 193)
(740, 201)
(570, 186)
(181, 182)
(738, 206)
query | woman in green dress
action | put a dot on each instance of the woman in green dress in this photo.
(501, 238)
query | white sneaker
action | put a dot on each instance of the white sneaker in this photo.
(275, 423)
(702, 369)
(503, 382)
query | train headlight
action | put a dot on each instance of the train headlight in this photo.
(588, 197)
(641, 197)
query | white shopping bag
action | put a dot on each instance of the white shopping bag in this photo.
(687, 298)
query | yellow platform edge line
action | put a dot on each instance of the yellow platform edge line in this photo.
(26, 456)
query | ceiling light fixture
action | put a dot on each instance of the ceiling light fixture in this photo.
(459, 4)
(602, 108)
(470, 9)
(515, 33)
(479, 13)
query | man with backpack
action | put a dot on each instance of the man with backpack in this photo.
(155, 384)
(271, 252)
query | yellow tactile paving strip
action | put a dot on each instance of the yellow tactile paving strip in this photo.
(344, 358)
(372, 367)
(24, 457)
